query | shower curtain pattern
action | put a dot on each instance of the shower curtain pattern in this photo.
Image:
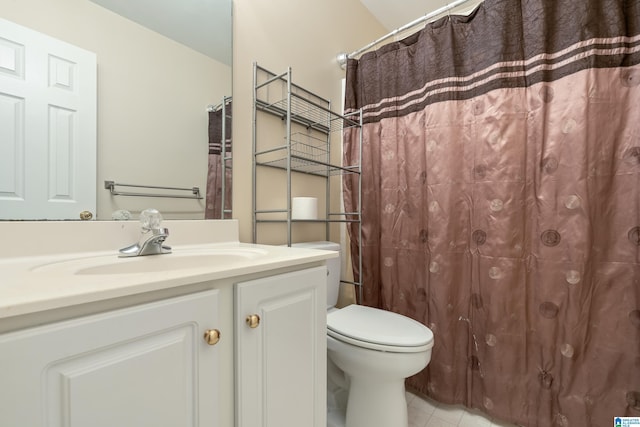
(214, 200)
(501, 204)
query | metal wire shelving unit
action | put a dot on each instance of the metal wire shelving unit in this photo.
(304, 147)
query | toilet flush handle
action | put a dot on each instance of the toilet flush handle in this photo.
(253, 321)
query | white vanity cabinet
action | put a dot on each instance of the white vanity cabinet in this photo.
(146, 365)
(280, 324)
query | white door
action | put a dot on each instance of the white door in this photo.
(146, 365)
(48, 92)
(282, 356)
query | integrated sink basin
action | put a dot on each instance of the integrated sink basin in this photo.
(178, 260)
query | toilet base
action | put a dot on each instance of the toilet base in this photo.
(337, 395)
(335, 419)
(365, 402)
(376, 404)
(375, 383)
(363, 411)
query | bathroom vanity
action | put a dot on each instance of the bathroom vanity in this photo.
(217, 333)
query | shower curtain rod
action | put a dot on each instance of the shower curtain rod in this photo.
(342, 57)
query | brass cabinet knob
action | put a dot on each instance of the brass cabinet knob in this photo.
(86, 215)
(253, 320)
(212, 336)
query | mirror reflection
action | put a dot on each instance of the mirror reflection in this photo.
(163, 102)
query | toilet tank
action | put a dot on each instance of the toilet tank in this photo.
(333, 268)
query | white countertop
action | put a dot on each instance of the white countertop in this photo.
(30, 284)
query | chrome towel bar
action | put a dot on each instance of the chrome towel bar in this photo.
(110, 185)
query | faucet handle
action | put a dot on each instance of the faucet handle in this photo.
(150, 219)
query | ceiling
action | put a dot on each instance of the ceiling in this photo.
(391, 16)
(196, 23)
(203, 25)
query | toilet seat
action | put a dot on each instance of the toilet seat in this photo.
(376, 329)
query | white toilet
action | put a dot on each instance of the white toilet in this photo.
(370, 354)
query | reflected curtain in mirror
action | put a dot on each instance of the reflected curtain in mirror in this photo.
(219, 171)
(501, 204)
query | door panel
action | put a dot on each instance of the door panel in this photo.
(282, 360)
(48, 95)
(139, 366)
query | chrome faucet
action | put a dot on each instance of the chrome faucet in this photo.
(152, 236)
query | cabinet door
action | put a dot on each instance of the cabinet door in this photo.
(281, 361)
(146, 365)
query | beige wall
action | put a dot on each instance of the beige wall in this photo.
(305, 35)
(152, 99)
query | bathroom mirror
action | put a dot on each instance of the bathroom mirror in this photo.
(162, 68)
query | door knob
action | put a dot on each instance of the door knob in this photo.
(212, 336)
(253, 320)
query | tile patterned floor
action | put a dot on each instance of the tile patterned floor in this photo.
(428, 413)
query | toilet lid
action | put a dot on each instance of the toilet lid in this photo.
(378, 329)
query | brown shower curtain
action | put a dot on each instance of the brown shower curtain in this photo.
(501, 204)
(215, 199)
